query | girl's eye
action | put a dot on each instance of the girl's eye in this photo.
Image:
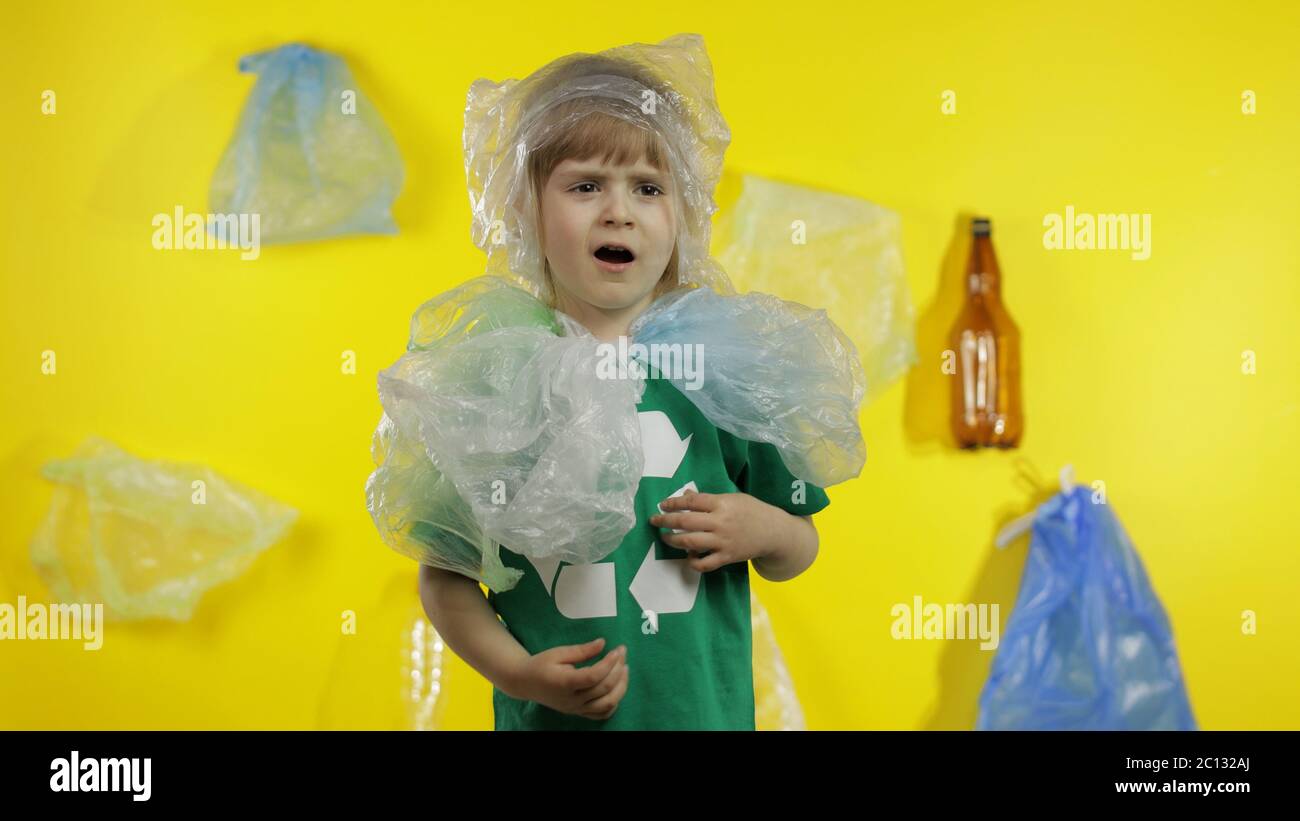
(589, 188)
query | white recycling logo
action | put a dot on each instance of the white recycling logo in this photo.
(588, 591)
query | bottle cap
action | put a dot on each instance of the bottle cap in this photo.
(980, 227)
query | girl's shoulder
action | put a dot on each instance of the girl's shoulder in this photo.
(482, 304)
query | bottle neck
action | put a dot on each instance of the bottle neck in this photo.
(982, 274)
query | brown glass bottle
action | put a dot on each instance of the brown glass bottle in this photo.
(986, 387)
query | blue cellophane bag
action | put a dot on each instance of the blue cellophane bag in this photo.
(1088, 645)
(310, 155)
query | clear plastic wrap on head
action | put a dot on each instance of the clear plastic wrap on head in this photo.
(666, 88)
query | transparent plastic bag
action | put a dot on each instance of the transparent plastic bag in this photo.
(310, 155)
(499, 433)
(497, 430)
(771, 371)
(776, 705)
(666, 88)
(145, 538)
(392, 674)
(821, 248)
(1088, 645)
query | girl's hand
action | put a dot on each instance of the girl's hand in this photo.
(593, 692)
(725, 527)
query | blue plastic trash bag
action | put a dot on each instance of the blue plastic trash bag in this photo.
(1088, 645)
(311, 156)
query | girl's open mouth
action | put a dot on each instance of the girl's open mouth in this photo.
(614, 257)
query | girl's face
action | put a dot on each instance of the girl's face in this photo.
(587, 205)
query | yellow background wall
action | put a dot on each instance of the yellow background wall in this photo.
(1132, 369)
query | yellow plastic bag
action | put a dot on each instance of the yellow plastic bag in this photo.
(825, 249)
(144, 538)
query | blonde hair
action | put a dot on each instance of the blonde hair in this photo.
(603, 136)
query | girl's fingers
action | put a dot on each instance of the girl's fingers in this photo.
(694, 542)
(600, 688)
(691, 500)
(593, 697)
(684, 520)
(704, 564)
(604, 707)
(582, 678)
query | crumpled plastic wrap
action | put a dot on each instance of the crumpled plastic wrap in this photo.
(301, 159)
(393, 673)
(498, 428)
(1088, 645)
(770, 371)
(671, 96)
(820, 248)
(133, 534)
(497, 433)
(504, 434)
(776, 705)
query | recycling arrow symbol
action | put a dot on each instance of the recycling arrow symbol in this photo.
(588, 591)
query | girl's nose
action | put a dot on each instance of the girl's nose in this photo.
(616, 209)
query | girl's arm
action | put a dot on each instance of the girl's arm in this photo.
(466, 621)
(797, 551)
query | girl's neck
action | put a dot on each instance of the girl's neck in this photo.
(606, 324)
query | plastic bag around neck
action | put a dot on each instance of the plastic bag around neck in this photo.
(499, 429)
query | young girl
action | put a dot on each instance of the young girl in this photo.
(592, 186)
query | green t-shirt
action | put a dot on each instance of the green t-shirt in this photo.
(689, 647)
